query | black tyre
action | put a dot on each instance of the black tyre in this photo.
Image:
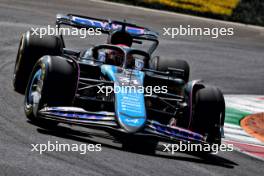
(178, 64)
(209, 113)
(53, 82)
(31, 48)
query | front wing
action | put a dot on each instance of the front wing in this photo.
(103, 119)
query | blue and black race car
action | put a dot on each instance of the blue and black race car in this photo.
(116, 87)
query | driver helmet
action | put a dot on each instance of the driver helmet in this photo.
(118, 38)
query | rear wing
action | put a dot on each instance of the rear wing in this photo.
(106, 26)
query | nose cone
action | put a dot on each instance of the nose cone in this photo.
(131, 124)
(129, 100)
(130, 110)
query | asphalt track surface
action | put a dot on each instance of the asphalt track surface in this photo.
(235, 64)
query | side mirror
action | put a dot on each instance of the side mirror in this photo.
(154, 63)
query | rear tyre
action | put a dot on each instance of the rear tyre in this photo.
(31, 48)
(208, 114)
(53, 82)
(177, 64)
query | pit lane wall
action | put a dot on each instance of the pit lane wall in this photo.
(244, 11)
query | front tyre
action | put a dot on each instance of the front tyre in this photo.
(31, 48)
(53, 82)
(209, 111)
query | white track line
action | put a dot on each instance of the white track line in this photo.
(247, 103)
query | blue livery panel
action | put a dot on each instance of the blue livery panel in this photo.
(129, 101)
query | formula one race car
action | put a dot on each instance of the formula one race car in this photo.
(115, 86)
